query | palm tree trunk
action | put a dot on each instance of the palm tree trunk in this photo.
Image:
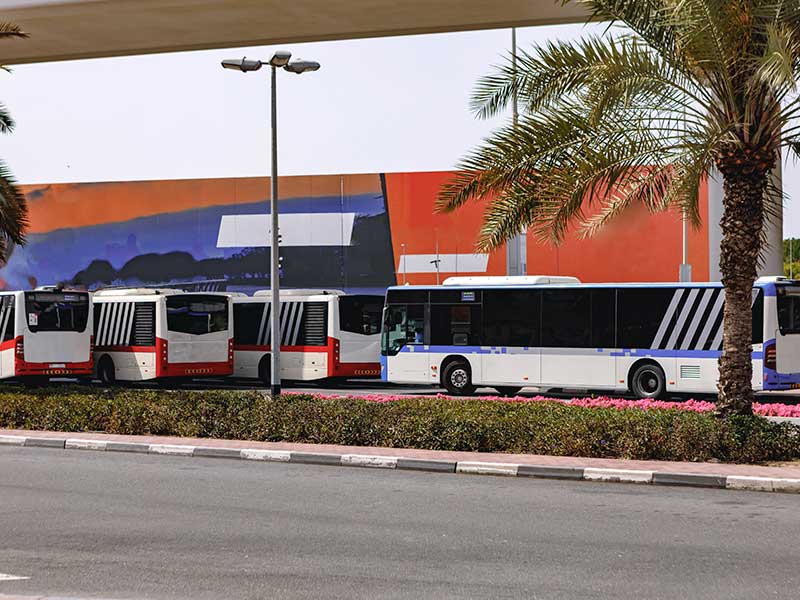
(742, 222)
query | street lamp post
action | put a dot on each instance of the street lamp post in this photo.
(279, 60)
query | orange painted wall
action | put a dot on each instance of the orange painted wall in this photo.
(59, 205)
(638, 246)
(411, 198)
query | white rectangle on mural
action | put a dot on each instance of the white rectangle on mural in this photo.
(448, 263)
(296, 229)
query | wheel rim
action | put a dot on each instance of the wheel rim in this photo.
(459, 378)
(649, 382)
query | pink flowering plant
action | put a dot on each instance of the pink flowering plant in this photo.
(698, 406)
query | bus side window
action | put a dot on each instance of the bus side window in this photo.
(455, 325)
(641, 314)
(511, 318)
(7, 317)
(566, 319)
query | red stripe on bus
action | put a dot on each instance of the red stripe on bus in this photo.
(196, 369)
(365, 369)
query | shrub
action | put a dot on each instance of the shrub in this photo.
(540, 427)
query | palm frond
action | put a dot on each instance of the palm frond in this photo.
(6, 122)
(13, 212)
(8, 30)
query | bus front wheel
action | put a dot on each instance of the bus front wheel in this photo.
(458, 378)
(508, 391)
(648, 381)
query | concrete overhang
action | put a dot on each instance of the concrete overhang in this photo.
(73, 29)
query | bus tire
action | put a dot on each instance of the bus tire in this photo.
(507, 390)
(34, 381)
(458, 378)
(265, 370)
(648, 381)
(106, 372)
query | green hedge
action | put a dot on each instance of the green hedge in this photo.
(431, 423)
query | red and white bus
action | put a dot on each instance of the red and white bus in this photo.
(324, 334)
(45, 333)
(143, 334)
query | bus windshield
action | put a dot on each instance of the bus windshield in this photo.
(789, 309)
(197, 314)
(57, 311)
(402, 325)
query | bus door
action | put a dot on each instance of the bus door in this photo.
(407, 358)
(787, 338)
(577, 337)
(511, 331)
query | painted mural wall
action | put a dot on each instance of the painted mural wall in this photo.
(353, 232)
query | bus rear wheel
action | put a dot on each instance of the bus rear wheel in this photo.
(265, 370)
(458, 378)
(648, 381)
(106, 372)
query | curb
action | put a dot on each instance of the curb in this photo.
(730, 482)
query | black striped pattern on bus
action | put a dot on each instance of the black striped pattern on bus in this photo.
(291, 317)
(124, 324)
(302, 323)
(693, 320)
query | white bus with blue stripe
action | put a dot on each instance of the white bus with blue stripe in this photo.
(556, 333)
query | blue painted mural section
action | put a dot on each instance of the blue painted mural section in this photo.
(182, 246)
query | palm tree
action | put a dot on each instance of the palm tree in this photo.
(13, 206)
(642, 115)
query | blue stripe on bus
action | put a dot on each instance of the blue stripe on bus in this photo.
(384, 369)
(624, 352)
(779, 381)
(654, 353)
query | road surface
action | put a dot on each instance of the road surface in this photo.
(91, 525)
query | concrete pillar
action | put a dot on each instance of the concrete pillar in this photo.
(772, 255)
(715, 195)
(517, 255)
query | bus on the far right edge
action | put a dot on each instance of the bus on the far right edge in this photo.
(648, 339)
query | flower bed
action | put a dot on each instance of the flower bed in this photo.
(698, 406)
(604, 428)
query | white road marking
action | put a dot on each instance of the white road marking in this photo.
(7, 577)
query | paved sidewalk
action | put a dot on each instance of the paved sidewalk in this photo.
(777, 477)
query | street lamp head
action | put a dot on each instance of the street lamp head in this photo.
(302, 66)
(280, 58)
(244, 65)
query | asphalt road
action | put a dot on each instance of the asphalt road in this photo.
(139, 526)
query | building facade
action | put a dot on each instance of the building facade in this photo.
(359, 232)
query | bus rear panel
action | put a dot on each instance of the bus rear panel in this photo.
(153, 334)
(781, 356)
(323, 335)
(45, 333)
